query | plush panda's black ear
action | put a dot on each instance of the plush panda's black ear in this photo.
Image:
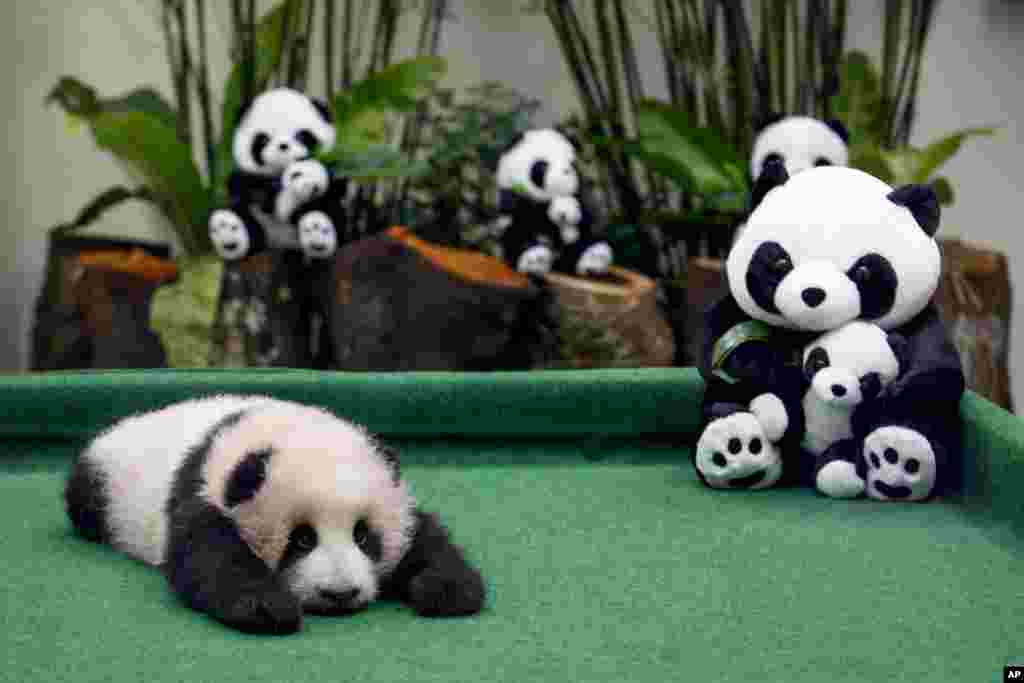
(247, 477)
(766, 120)
(923, 204)
(901, 347)
(391, 456)
(839, 129)
(773, 174)
(322, 109)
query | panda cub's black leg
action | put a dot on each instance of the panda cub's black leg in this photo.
(434, 577)
(85, 500)
(213, 570)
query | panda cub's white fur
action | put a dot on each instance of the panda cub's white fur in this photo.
(840, 361)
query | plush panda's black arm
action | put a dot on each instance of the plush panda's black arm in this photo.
(928, 389)
(214, 571)
(249, 188)
(434, 577)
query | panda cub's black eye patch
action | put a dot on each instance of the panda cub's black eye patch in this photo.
(877, 282)
(367, 540)
(817, 360)
(247, 477)
(769, 266)
(302, 540)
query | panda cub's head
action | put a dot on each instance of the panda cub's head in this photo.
(316, 499)
(834, 244)
(281, 126)
(852, 364)
(539, 164)
(800, 143)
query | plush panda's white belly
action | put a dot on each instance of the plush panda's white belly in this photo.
(138, 458)
(824, 423)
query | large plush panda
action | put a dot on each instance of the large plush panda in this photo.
(822, 248)
(276, 180)
(548, 226)
(259, 510)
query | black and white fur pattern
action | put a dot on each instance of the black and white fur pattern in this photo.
(800, 143)
(258, 510)
(547, 225)
(828, 246)
(276, 182)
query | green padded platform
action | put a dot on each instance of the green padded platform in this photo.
(606, 559)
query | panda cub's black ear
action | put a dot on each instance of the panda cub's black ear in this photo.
(393, 459)
(922, 203)
(573, 140)
(839, 129)
(322, 109)
(247, 477)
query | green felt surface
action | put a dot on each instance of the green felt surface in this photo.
(624, 569)
(606, 559)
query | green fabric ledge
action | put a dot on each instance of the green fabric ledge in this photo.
(551, 403)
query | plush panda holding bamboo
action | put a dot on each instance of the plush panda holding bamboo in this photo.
(548, 226)
(258, 510)
(825, 247)
(278, 182)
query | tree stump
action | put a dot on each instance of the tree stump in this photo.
(398, 303)
(622, 307)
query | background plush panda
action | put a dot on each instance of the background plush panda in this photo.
(548, 226)
(845, 368)
(800, 143)
(825, 247)
(259, 509)
(275, 180)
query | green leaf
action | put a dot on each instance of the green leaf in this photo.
(361, 113)
(871, 159)
(100, 204)
(376, 162)
(859, 101)
(943, 190)
(939, 152)
(152, 148)
(695, 158)
(146, 100)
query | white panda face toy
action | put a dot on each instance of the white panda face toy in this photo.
(281, 126)
(541, 166)
(851, 364)
(800, 143)
(834, 244)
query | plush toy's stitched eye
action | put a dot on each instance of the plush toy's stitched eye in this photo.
(772, 156)
(783, 264)
(303, 538)
(862, 273)
(361, 534)
(822, 161)
(817, 360)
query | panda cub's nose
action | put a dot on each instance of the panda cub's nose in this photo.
(813, 296)
(340, 597)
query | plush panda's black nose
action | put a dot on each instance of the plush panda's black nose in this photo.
(838, 390)
(283, 146)
(813, 296)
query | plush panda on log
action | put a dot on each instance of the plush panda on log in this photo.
(276, 180)
(800, 143)
(258, 510)
(825, 247)
(548, 226)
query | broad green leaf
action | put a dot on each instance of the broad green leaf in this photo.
(871, 159)
(146, 100)
(152, 148)
(943, 190)
(695, 158)
(939, 152)
(82, 101)
(859, 102)
(102, 203)
(75, 97)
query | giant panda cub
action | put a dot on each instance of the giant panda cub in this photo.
(277, 182)
(824, 247)
(548, 226)
(258, 510)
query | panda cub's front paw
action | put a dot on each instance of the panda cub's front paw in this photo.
(565, 212)
(901, 463)
(317, 235)
(733, 453)
(262, 609)
(229, 235)
(440, 593)
(595, 260)
(536, 260)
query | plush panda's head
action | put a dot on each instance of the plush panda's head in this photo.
(800, 143)
(834, 244)
(853, 363)
(280, 127)
(316, 499)
(539, 164)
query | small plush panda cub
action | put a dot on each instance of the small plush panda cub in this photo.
(845, 367)
(258, 510)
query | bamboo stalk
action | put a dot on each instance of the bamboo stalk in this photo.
(185, 65)
(902, 81)
(330, 9)
(203, 88)
(346, 47)
(666, 52)
(890, 48)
